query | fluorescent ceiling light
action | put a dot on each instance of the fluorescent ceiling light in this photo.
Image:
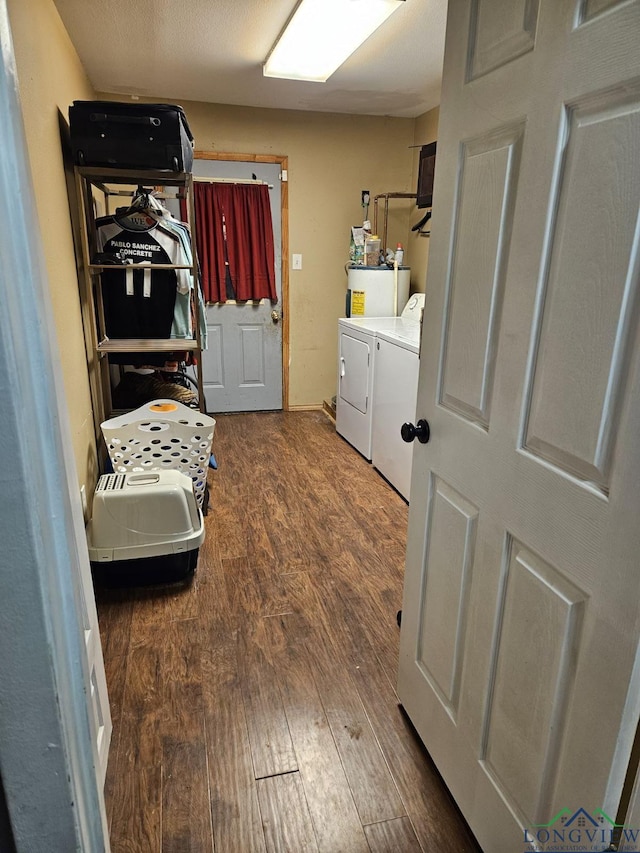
(322, 33)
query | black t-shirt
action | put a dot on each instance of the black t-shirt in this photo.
(138, 303)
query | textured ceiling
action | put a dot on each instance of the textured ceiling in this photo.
(213, 50)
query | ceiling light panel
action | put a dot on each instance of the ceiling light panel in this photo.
(322, 34)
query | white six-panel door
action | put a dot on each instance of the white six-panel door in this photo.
(521, 614)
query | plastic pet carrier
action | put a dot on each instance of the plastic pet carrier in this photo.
(159, 436)
(145, 529)
(130, 135)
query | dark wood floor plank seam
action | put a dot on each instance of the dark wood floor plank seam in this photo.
(137, 820)
(393, 836)
(269, 735)
(116, 675)
(206, 762)
(186, 804)
(288, 612)
(329, 798)
(235, 810)
(372, 785)
(395, 811)
(111, 780)
(381, 728)
(271, 775)
(372, 617)
(368, 659)
(427, 801)
(386, 820)
(286, 820)
(114, 620)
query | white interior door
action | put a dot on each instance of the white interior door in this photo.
(242, 366)
(519, 642)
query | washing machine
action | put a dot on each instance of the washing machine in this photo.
(357, 338)
(395, 392)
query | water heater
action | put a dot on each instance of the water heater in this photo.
(374, 291)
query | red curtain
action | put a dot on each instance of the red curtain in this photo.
(233, 225)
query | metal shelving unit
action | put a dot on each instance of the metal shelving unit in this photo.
(99, 345)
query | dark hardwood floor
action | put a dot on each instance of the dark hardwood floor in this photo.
(255, 710)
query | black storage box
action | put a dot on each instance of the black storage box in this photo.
(146, 571)
(130, 136)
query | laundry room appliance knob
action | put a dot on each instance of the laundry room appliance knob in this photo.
(421, 431)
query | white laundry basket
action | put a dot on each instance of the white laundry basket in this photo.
(161, 435)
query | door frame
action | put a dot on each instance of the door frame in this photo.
(283, 162)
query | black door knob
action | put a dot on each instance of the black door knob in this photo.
(421, 431)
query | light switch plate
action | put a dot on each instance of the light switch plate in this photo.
(297, 262)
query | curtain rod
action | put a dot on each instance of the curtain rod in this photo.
(231, 181)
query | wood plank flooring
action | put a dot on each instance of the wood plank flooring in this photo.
(255, 709)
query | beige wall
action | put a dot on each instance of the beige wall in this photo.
(426, 131)
(51, 77)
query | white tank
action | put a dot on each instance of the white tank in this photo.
(372, 291)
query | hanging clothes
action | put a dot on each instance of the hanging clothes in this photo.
(148, 303)
(234, 236)
(183, 319)
(139, 303)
